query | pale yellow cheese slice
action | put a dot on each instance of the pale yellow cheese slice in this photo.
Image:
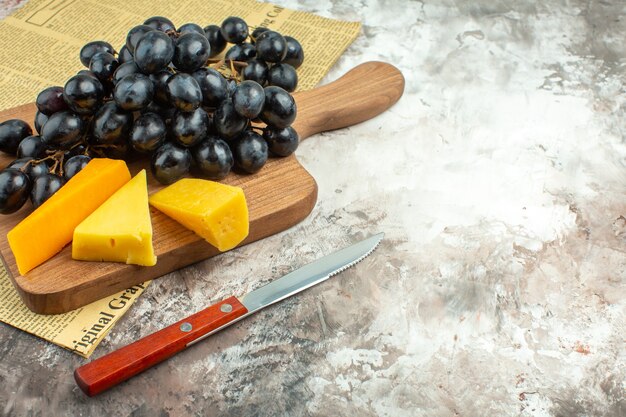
(120, 229)
(217, 212)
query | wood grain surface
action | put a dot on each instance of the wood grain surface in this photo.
(279, 196)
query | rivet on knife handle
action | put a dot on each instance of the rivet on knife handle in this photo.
(122, 364)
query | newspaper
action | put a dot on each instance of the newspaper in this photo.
(39, 47)
(79, 330)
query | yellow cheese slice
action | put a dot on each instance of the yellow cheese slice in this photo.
(215, 211)
(120, 229)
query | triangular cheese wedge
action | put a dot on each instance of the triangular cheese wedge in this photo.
(217, 212)
(120, 229)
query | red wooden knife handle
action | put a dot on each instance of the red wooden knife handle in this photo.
(124, 363)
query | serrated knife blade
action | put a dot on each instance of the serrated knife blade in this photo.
(122, 364)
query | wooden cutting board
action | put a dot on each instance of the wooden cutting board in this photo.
(279, 196)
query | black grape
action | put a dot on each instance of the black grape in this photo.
(216, 40)
(134, 35)
(187, 129)
(228, 123)
(148, 132)
(243, 52)
(271, 46)
(40, 120)
(295, 53)
(123, 70)
(250, 152)
(92, 48)
(31, 147)
(283, 76)
(184, 92)
(191, 28)
(153, 52)
(11, 134)
(234, 29)
(213, 158)
(133, 92)
(256, 32)
(111, 124)
(14, 190)
(281, 142)
(248, 99)
(213, 86)
(160, 23)
(62, 130)
(191, 52)
(255, 71)
(280, 109)
(44, 187)
(74, 165)
(103, 65)
(83, 94)
(50, 100)
(170, 163)
(159, 80)
(125, 55)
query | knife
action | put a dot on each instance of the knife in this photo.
(122, 364)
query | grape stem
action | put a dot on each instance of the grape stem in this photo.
(57, 157)
(172, 33)
(231, 73)
(26, 164)
(57, 167)
(219, 63)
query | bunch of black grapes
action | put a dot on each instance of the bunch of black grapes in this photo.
(164, 95)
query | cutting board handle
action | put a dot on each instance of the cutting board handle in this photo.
(362, 93)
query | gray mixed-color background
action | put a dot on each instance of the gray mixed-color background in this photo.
(500, 182)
